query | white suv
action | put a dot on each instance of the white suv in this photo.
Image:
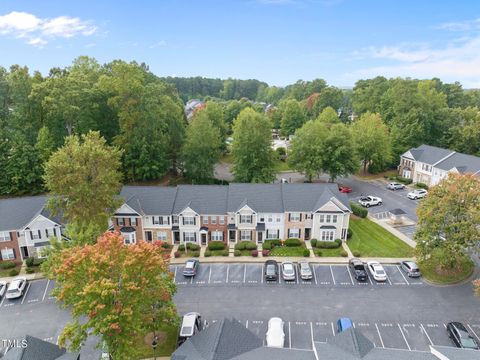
(16, 288)
(417, 194)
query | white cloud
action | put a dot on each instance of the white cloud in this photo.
(161, 43)
(38, 31)
(460, 25)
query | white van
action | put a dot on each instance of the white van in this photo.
(191, 325)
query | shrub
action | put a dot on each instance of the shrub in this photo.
(254, 253)
(177, 254)
(240, 246)
(328, 244)
(7, 265)
(343, 254)
(422, 186)
(225, 252)
(267, 246)
(293, 242)
(208, 253)
(13, 272)
(29, 270)
(196, 254)
(38, 262)
(216, 245)
(313, 242)
(250, 245)
(357, 253)
(237, 253)
(29, 261)
(193, 247)
(317, 252)
(265, 253)
(349, 233)
(306, 252)
(273, 242)
(404, 180)
(359, 210)
(181, 247)
(339, 242)
(166, 245)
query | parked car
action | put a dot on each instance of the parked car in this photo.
(16, 288)
(461, 336)
(191, 267)
(304, 270)
(345, 189)
(191, 325)
(368, 201)
(288, 271)
(377, 271)
(344, 324)
(411, 269)
(271, 270)
(395, 186)
(417, 194)
(358, 269)
(3, 288)
(275, 334)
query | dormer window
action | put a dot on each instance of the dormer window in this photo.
(245, 219)
(188, 220)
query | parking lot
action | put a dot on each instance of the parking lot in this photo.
(252, 274)
(406, 336)
(36, 291)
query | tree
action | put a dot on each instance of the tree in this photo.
(214, 112)
(328, 97)
(339, 157)
(372, 141)
(83, 178)
(448, 219)
(115, 292)
(293, 116)
(45, 145)
(465, 135)
(329, 116)
(306, 149)
(201, 150)
(251, 148)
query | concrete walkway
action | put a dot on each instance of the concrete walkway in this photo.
(394, 231)
(347, 249)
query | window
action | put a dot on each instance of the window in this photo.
(217, 236)
(175, 219)
(5, 236)
(189, 236)
(334, 218)
(205, 219)
(35, 235)
(155, 220)
(322, 218)
(272, 234)
(120, 221)
(328, 235)
(278, 219)
(41, 251)
(214, 220)
(161, 235)
(308, 216)
(8, 254)
(329, 217)
(294, 233)
(188, 220)
(245, 219)
(270, 218)
(245, 235)
(129, 238)
(295, 217)
(133, 221)
(262, 219)
(222, 220)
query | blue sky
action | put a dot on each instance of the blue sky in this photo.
(277, 41)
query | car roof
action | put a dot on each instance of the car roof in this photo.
(356, 260)
(273, 262)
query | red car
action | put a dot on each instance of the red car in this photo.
(345, 189)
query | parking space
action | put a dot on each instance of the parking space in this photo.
(253, 274)
(321, 331)
(370, 331)
(36, 290)
(341, 275)
(235, 273)
(300, 334)
(218, 274)
(416, 337)
(392, 336)
(258, 327)
(178, 275)
(201, 278)
(323, 275)
(437, 334)
(395, 275)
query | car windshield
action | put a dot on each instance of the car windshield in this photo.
(270, 269)
(358, 267)
(189, 264)
(304, 267)
(468, 342)
(187, 331)
(380, 271)
(364, 198)
(288, 267)
(12, 290)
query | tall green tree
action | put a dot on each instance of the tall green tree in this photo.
(83, 178)
(45, 145)
(251, 148)
(448, 220)
(329, 116)
(293, 116)
(117, 293)
(329, 97)
(372, 141)
(465, 134)
(214, 112)
(201, 150)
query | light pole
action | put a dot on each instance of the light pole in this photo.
(154, 345)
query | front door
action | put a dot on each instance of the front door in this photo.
(307, 233)
(176, 237)
(148, 236)
(204, 238)
(259, 237)
(231, 235)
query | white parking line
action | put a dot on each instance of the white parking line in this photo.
(296, 273)
(331, 271)
(210, 273)
(379, 336)
(26, 292)
(349, 273)
(333, 329)
(404, 338)
(3, 299)
(191, 279)
(261, 275)
(244, 273)
(426, 334)
(388, 279)
(314, 275)
(401, 273)
(246, 324)
(474, 333)
(228, 268)
(369, 279)
(289, 336)
(311, 336)
(174, 274)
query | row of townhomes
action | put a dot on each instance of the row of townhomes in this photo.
(429, 164)
(232, 213)
(191, 213)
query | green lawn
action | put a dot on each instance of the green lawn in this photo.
(281, 166)
(287, 251)
(218, 252)
(245, 252)
(371, 240)
(164, 348)
(432, 272)
(329, 252)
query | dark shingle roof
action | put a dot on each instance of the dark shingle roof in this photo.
(38, 349)
(264, 353)
(457, 354)
(15, 213)
(309, 197)
(204, 199)
(429, 154)
(464, 163)
(353, 342)
(260, 197)
(150, 200)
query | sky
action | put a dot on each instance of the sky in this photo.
(276, 41)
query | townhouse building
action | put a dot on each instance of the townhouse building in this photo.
(429, 164)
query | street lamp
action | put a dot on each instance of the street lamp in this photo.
(154, 346)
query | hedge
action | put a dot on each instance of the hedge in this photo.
(359, 210)
(192, 246)
(177, 254)
(29, 270)
(329, 244)
(357, 253)
(245, 245)
(7, 265)
(181, 247)
(293, 242)
(343, 253)
(13, 272)
(422, 186)
(237, 253)
(306, 252)
(265, 253)
(196, 254)
(208, 253)
(225, 252)
(216, 245)
(272, 243)
(404, 180)
(313, 242)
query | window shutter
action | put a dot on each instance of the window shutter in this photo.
(288, 216)
(116, 220)
(288, 233)
(14, 254)
(168, 220)
(183, 237)
(129, 222)
(11, 235)
(39, 234)
(251, 235)
(195, 236)
(300, 216)
(299, 233)
(31, 235)
(278, 233)
(46, 233)
(55, 231)
(194, 221)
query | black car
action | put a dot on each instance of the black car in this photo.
(358, 269)
(191, 267)
(460, 336)
(271, 270)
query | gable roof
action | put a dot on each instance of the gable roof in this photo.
(39, 349)
(150, 200)
(429, 154)
(266, 198)
(15, 213)
(203, 199)
(464, 163)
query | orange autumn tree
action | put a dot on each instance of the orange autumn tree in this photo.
(116, 292)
